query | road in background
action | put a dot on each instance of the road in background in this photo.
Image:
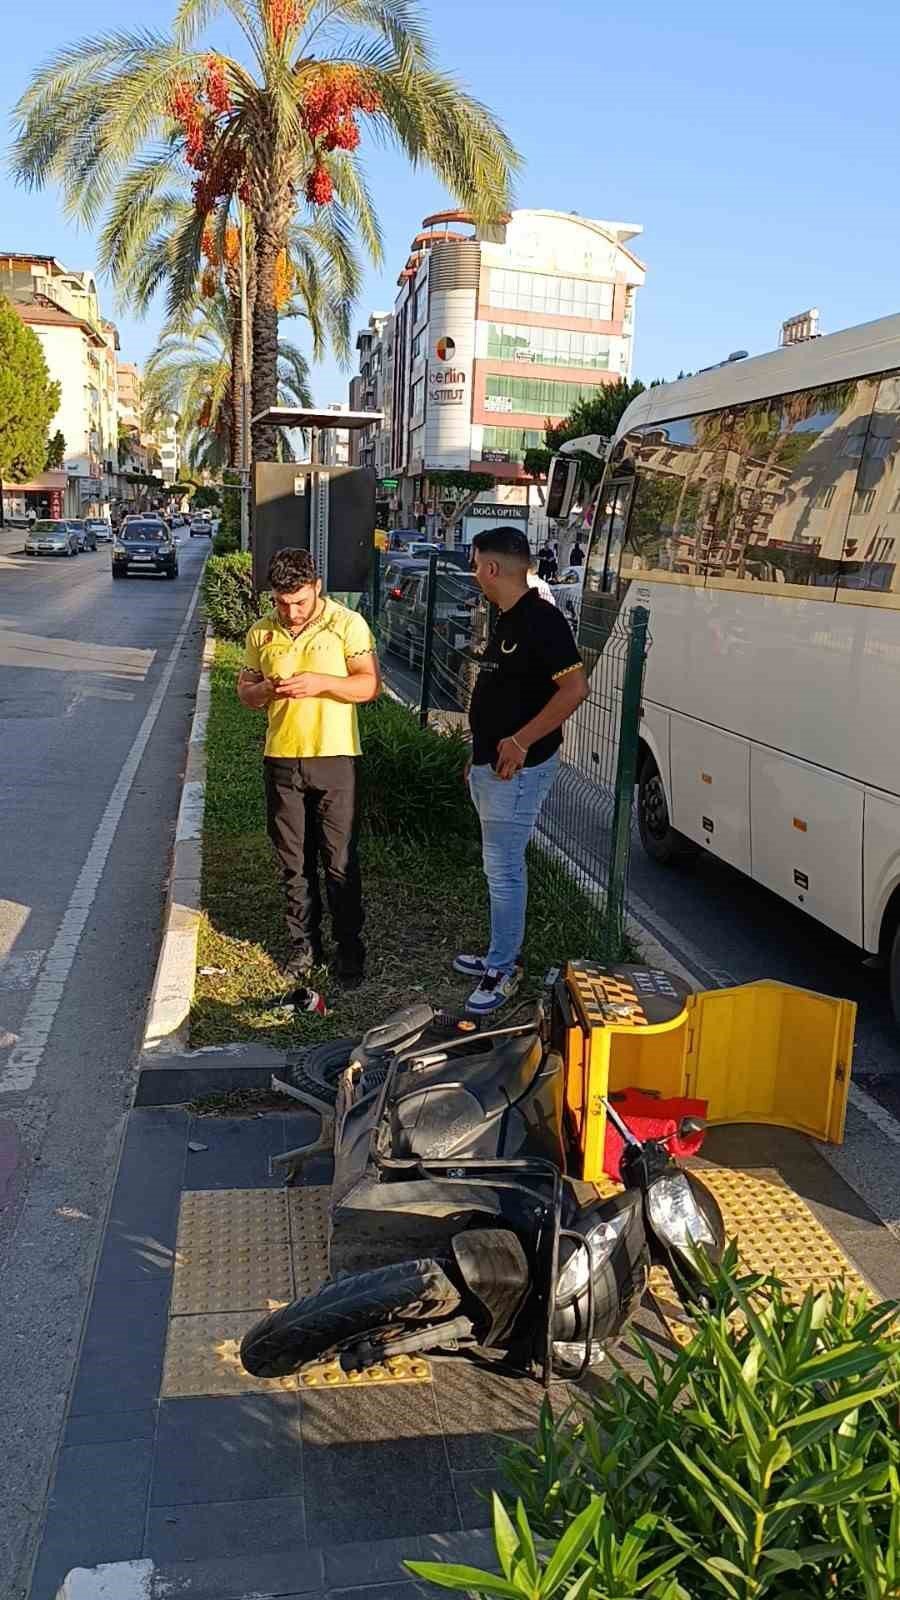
(86, 695)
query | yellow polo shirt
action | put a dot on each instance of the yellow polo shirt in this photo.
(318, 726)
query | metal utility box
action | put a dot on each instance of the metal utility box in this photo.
(327, 510)
(761, 1052)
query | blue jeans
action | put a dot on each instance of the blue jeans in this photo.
(508, 811)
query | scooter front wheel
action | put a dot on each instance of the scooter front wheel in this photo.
(363, 1305)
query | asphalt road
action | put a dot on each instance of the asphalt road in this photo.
(97, 689)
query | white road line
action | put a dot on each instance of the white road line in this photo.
(21, 1069)
(869, 1107)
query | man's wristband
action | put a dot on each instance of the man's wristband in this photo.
(522, 747)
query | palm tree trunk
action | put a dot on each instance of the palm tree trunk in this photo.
(265, 339)
(270, 232)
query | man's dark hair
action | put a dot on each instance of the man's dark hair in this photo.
(290, 570)
(502, 540)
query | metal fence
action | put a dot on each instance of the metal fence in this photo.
(431, 623)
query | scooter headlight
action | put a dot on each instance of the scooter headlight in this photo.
(601, 1237)
(675, 1216)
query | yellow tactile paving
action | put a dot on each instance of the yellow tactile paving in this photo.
(308, 1221)
(202, 1357)
(776, 1232)
(240, 1253)
(233, 1251)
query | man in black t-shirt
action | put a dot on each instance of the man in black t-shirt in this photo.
(530, 680)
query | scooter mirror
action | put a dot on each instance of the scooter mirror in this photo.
(689, 1126)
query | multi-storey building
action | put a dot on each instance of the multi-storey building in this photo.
(62, 308)
(495, 331)
(371, 390)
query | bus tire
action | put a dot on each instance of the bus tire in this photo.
(894, 974)
(662, 842)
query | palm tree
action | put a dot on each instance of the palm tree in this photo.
(144, 234)
(189, 375)
(266, 132)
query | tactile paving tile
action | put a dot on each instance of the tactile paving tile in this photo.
(397, 1369)
(776, 1232)
(233, 1251)
(308, 1223)
(202, 1357)
(240, 1253)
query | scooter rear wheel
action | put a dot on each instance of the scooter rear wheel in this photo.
(371, 1305)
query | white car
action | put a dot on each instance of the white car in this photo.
(567, 590)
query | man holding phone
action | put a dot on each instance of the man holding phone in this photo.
(308, 665)
(530, 680)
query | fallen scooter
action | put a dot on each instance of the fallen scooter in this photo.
(459, 1212)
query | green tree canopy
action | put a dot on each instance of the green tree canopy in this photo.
(56, 449)
(28, 399)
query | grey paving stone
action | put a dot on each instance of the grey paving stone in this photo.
(237, 1153)
(368, 1561)
(234, 1447)
(481, 1409)
(121, 1358)
(345, 1416)
(473, 1496)
(282, 1572)
(96, 1510)
(140, 1237)
(206, 1532)
(385, 1488)
(108, 1427)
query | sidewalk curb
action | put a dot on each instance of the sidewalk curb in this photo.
(165, 1029)
(331, 1570)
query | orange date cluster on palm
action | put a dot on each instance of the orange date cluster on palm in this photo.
(328, 111)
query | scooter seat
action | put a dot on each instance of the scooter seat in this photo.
(401, 1028)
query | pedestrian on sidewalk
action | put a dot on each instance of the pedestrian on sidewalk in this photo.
(309, 664)
(530, 680)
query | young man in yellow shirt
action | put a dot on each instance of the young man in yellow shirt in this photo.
(309, 664)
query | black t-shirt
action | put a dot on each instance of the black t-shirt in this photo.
(530, 647)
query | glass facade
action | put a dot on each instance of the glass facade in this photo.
(546, 397)
(548, 347)
(552, 295)
(801, 490)
(510, 444)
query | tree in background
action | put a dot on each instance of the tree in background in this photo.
(206, 495)
(263, 133)
(28, 399)
(56, 450)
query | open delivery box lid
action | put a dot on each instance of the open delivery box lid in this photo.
(760, 1052)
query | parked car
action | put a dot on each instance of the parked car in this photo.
(403, 612)
(201, 526)
(397, 565)
(52, 536)
(86, 539)
(145, 545)
(100, 529)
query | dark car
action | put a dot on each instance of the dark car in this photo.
(144, 545)
(403, 613)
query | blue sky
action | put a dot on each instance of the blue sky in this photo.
(757, 145)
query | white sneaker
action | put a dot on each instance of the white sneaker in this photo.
(493, 991)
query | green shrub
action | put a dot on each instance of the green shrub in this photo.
(762, 1462)
(228, 595)
(412, 777)
(228, 537)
